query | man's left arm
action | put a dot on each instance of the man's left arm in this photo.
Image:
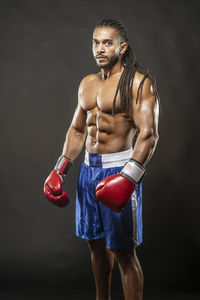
(145, 117)
(115, 190)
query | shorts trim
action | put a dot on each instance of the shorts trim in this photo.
(109, 160)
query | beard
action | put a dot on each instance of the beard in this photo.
(110, 62)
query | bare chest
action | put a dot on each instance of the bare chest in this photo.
(100, 95)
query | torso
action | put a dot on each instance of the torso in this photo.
(106, 134)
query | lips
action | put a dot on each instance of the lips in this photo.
(100, 57)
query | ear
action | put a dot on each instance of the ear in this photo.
(123, 48)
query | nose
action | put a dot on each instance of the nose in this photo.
(100, 48)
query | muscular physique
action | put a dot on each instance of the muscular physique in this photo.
(94, 125)
(107, 134)
(93, 117)
(104, 133)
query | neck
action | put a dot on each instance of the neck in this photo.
(110, 71)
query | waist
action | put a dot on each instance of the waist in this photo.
(109, 160)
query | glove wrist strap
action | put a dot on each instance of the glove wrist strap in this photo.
(133, 170)
(63, 165)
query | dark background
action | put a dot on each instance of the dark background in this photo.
(45, 50)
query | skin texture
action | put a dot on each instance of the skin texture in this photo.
(94, 125)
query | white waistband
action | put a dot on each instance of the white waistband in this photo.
(110, 160)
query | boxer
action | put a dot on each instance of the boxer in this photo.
(117, 105)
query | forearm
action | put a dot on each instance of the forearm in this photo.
(74, 143)
(145, 147)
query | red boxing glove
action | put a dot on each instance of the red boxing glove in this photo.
(53, 189)
(116, 190)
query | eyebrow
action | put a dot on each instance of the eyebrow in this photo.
(106, 40)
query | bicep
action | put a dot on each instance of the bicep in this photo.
(146, 111)
(79, 119)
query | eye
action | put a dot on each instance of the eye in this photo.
(95, 43)
(108, 43)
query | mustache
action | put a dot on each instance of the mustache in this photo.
(100, 55)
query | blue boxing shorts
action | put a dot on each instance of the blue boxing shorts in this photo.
(121, 230)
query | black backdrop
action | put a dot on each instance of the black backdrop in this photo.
(45, 50)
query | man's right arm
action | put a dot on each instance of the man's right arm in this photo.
(75, 138)
(76, 134)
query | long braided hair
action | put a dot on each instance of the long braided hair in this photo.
(130, 64)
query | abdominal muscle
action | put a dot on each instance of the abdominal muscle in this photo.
(107, 134)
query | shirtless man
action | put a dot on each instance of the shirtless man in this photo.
(109, 200)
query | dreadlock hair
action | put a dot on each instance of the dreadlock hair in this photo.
(130, 64)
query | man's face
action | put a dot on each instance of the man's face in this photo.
(106, 46)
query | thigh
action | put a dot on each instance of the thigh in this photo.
(88, 218)
(123, 230)
(98, 245)
(118, 227)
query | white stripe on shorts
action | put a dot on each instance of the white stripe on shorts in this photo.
(110, 160)
(134, 213)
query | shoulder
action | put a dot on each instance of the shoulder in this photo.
(139, 78)
(88, 80)
(86, 91)
(146, 87)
